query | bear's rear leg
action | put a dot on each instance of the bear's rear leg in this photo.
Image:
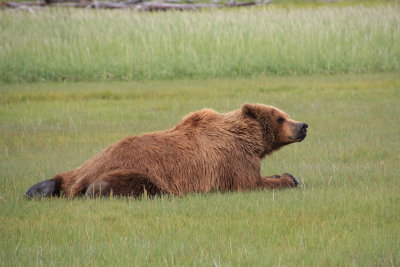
(45, 188)
(122, 183)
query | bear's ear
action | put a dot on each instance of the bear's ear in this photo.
(248, 110)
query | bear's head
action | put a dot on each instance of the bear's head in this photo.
(278, 129)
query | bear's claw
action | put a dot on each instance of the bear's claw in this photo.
(295, 180)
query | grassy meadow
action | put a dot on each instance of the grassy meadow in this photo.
(65, 44)
(346, 213)
(75, 81)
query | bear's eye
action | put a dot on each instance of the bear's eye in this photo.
(281, 120)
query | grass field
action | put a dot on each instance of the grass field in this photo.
(346, 213)
(64, 44)
(335, 67)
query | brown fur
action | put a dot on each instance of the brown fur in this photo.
(207, 151)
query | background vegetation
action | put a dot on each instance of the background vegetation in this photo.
(334, 66)
(124, 45)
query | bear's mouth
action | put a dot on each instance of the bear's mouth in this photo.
(301, 137)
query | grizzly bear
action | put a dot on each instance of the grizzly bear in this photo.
(206, 152)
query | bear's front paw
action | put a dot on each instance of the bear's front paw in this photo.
(290, 180)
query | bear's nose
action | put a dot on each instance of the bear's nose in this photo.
(303, 126)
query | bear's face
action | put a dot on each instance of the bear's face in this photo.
(278, 129)
(286, 130)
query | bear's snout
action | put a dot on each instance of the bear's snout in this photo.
(303, 126)
(302, 131)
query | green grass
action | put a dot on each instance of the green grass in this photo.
(64, 44)
(346, 213)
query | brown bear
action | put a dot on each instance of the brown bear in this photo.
(206, 152)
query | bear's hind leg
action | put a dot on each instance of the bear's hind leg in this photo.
(123, 183)
(45, 188)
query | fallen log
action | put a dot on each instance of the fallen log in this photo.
(138, 4)
(9, 5)
(98, 5)
(21, 4)
(71, 4)
(113, 5)
(61, 1)
(108, 5)
(159, 6)
(234, 4)
(30, 7)
(133, 2)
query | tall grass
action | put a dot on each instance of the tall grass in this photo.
(124, 45)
